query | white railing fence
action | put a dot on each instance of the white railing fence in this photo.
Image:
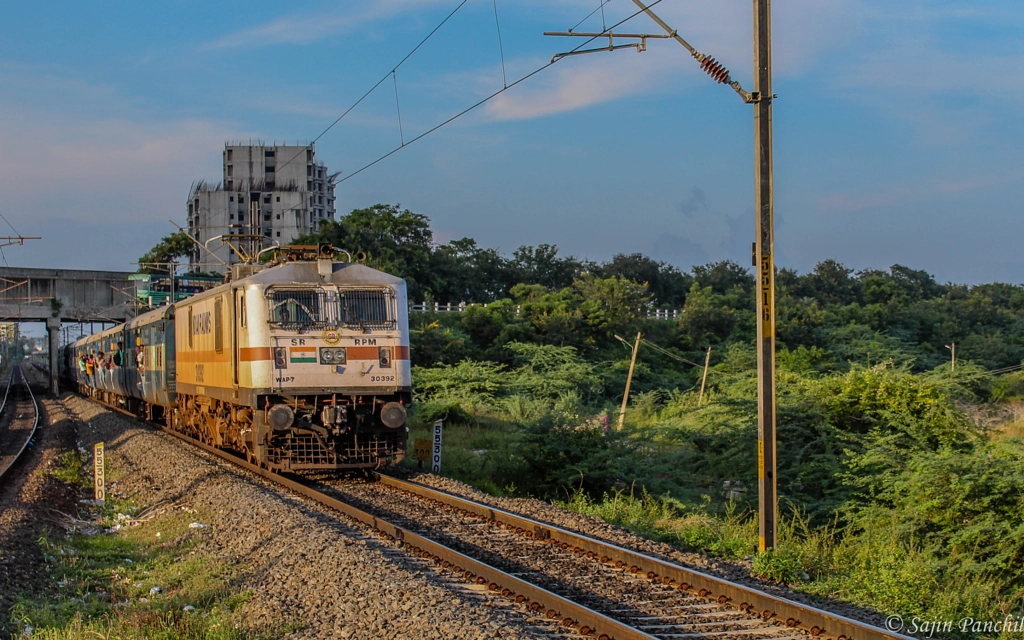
(459, 307)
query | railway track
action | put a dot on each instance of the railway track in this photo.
(19, 419)
(586, 586)
(655, 597)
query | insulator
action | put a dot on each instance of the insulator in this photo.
(714, 69)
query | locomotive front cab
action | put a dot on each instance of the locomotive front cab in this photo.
(338, 376)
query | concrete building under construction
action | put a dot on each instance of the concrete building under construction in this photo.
(268, 195)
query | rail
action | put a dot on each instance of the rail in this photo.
(35, 421)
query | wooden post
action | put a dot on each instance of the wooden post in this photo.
(704, 378)
(629, 381)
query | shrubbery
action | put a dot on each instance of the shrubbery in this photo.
(901, 479)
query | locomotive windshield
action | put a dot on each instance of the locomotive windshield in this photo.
(294, 309)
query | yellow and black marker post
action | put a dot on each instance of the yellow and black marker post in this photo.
(99, 482)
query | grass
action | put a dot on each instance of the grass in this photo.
(879, 563)
(146, 581)
(877, 569)
(477, 455)
(731, 535)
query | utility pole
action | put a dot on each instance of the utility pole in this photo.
(767, 487)
(704, 378)
(952, 348)
(629, 379)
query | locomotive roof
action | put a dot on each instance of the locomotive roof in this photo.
(343, 273)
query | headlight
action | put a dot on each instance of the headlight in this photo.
(326, 356)
(280, 417)
(340, 356)
(393, 415)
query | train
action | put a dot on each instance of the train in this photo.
(300, 364)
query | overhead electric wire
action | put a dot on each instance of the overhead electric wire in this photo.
(599, 8)
(501, 48)
(484, 100)
(9, 224)
(668, 353)
(457, 116)
(383, 78)
(398, 108)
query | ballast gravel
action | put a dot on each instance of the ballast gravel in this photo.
(311, 572)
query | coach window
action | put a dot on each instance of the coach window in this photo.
(241, 310)
(218, 334)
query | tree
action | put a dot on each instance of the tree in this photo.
(541, 265)
(666, 284)
(170, 248)
(724, 276)
(395, 241)
(707, 319)
(462, 271)
(831, 283)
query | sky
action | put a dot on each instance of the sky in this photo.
(897, 125)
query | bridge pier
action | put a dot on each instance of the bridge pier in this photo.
(53, 329)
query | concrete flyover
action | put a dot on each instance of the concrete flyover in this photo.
(29, 295)
(64, 295)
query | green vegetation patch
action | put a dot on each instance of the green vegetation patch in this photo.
(131, 573)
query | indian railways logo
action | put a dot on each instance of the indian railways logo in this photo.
(331, 336)
(201, 323)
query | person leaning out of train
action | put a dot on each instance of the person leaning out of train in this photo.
(118, 358)
(90, 369)
(140, 364)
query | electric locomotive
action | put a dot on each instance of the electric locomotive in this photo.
(301, 364)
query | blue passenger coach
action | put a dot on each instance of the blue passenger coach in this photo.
(137, 373)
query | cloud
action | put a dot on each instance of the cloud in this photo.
(79, 168)
(695, 204)
(101, 165)
(570, 88)
(312, 25)
(903, 193)
(872, 51)
(721, 30)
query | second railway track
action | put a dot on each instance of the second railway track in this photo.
(19, 420)
(589, 587)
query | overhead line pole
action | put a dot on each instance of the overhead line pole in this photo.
(767, 489)
(764, 246)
